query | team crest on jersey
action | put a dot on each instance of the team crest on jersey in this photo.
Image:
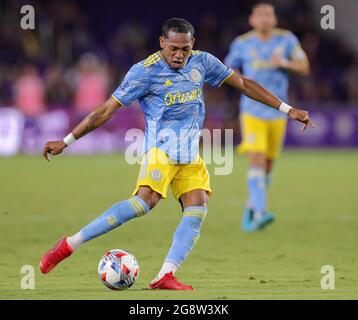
(195, 75)
(155, 174)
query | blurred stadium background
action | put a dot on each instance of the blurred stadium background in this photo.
(80, 51)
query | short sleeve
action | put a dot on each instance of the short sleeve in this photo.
(134, 86)
(294, 49)
(234, 58)
(215, 71)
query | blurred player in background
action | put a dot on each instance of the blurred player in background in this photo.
(267, 55)
(168, 85)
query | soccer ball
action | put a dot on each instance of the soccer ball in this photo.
(118, 269)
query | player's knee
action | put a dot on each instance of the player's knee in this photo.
(194, 198)
(150, 197)
(269, 165)
(257, 159)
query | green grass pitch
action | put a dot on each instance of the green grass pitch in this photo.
(314, 195)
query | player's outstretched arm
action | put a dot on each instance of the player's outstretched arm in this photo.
(300, 67)
(94, 120)
(256, 92)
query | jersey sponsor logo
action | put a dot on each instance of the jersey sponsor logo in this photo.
(182, 97)
(167, 83)
(261, 64)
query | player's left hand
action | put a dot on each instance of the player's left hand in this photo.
(301, 116)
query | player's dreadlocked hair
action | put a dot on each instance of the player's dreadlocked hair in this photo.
(177, 25)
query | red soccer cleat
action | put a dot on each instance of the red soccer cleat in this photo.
(51, 258)
(169, 282)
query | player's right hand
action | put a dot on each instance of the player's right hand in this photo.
(53, 148)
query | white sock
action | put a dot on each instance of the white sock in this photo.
(166, 268)
(248, 204)
(75, 241)
(258, 215)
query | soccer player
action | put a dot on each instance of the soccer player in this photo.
(169, 87)
(267, 55)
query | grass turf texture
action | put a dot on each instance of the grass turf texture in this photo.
(314, 195)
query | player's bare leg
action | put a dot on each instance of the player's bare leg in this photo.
(269, 166)
(185, 237)
(115, 216)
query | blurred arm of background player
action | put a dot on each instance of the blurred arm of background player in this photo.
(297, 66)
(94, 120)
(255, 91)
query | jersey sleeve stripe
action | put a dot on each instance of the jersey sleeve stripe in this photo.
(222, 82)
(122, 104)
(154, 58)
(298, 53)
(151, 58)
(194, 52)
(147, 64)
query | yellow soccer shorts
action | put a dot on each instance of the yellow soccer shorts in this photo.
(158, 171)
(262, 136)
